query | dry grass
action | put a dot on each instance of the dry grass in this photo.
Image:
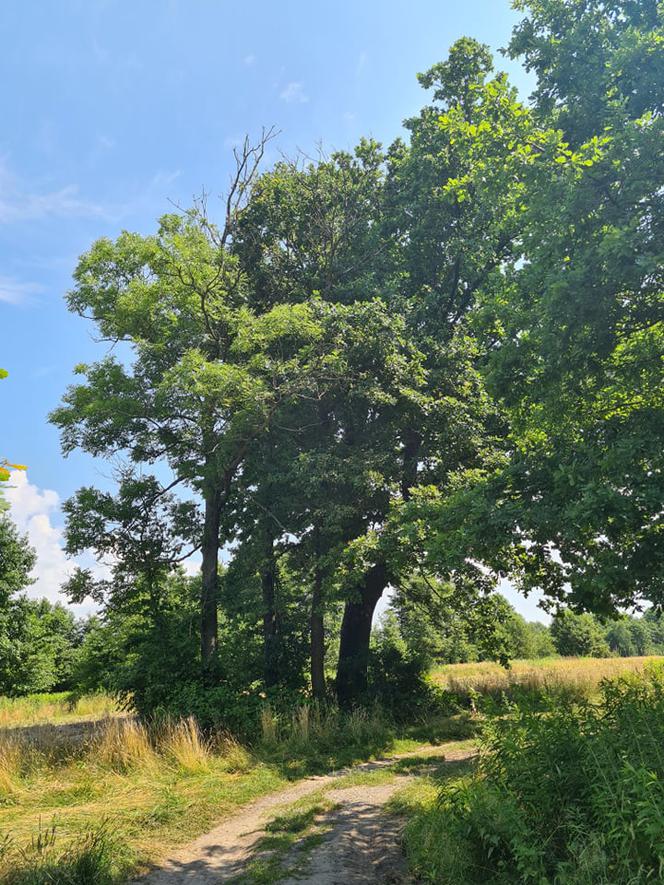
(183, 743)
(582, 674)
(154, 787)
(11, 763)
(40, 709)
(121, 745)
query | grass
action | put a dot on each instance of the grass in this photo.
(54, 709)
(155, 788)
(573, 676)
(288, 841)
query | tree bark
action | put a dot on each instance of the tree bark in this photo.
(270, 626)
(317, 626)
(210, 576)
(351, 682)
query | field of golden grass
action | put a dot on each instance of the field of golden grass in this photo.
(54, 709)
(489, 678)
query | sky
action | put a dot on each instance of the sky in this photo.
(114, 110)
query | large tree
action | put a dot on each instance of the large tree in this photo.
(426, 228)
(576, 327)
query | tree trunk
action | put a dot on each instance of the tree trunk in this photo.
(355, 636)
(210, 576)
(270, 626)
(317, 626)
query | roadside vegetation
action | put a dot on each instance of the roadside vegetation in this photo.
(118, 796)
(573, 796)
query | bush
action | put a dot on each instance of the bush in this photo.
(572, 796)
(398, 677)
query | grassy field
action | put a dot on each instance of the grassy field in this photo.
(150, 790)
(54, 709)
(577, 674)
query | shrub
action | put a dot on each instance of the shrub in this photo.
(397, 677)
(573, 796)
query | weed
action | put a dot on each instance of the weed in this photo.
(183, 743)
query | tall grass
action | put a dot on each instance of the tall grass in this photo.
(184, 744)
(158, 783)
(121, 745)
(573, 796)
(54, 708)
(560, 679)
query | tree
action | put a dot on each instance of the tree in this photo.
(426, 229)
(578, 635)
(579, 363)
(17, 559)
(574, 320)
(208, 375)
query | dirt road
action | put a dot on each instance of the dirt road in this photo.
(356, 840)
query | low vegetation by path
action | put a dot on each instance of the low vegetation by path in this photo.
(126, 796)
(325, 829)
(68, 792)
(570, 794)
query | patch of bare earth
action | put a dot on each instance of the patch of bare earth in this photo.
(361, 845)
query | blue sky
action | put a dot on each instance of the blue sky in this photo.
(113, 108)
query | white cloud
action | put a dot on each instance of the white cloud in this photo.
(293, 93)
(13, 291)
(21, 203)
(250, 59)
(32, 509)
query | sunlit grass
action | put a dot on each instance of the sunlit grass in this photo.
(156, 786)
(39, 709)
(490, 678)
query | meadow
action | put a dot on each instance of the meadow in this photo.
(80, 781)
(56, 708)
(582, 675)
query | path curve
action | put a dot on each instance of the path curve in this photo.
(362, 846)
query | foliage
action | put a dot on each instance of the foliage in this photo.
(398, 675)
(578, 635)
(573, 796)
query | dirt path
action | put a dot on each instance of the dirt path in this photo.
(360, 846)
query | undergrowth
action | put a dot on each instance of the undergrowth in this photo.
(570, 796)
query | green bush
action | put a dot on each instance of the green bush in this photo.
(397, 677)
(573, 796)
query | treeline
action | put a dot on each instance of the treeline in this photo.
(44, 647)
(421, 367)
(569, 634)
